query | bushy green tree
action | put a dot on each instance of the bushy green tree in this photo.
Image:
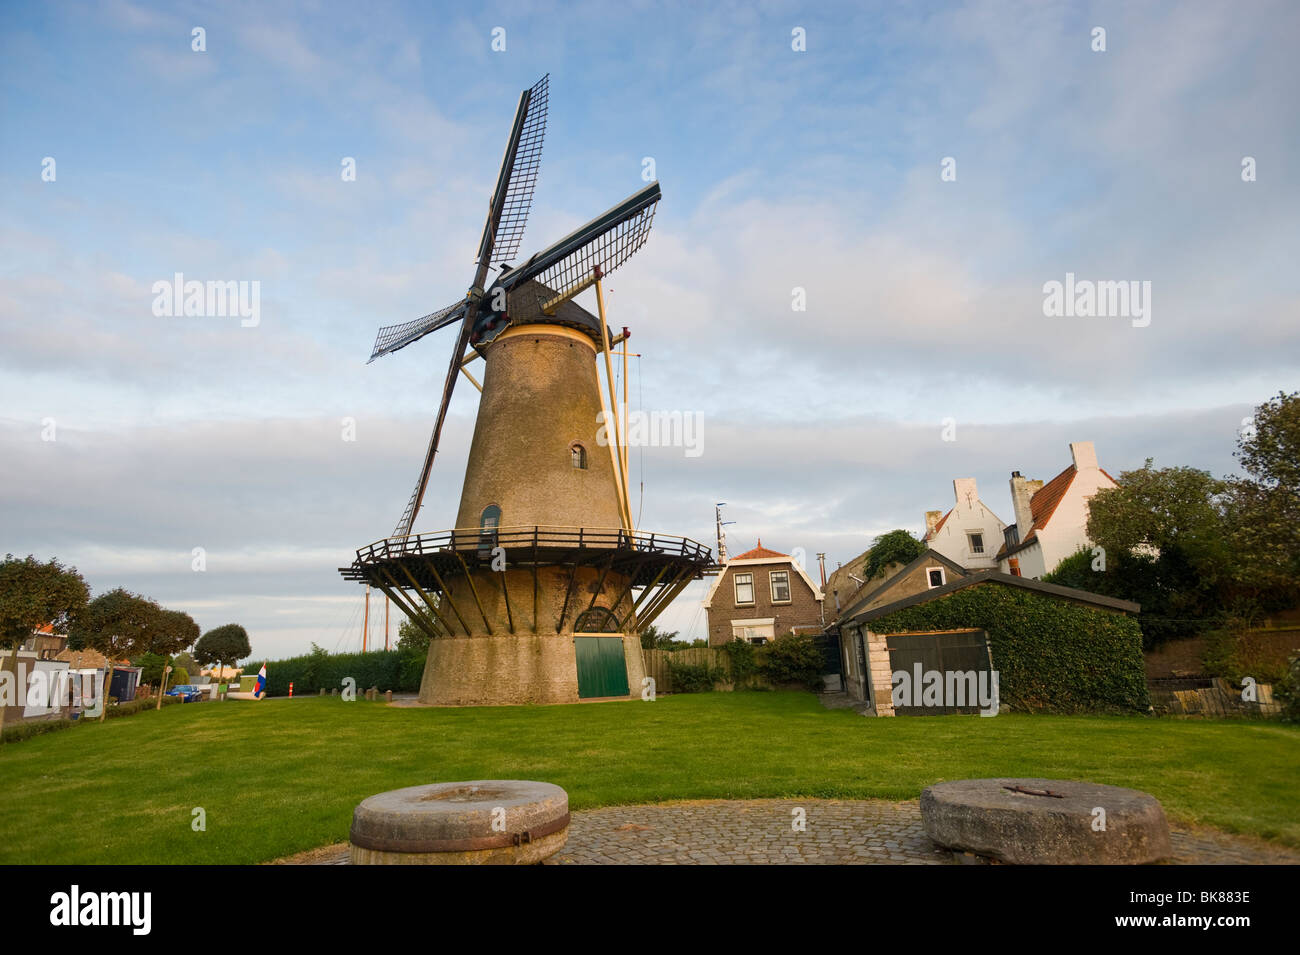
(33, 594)
(895, 547)
(652, 638)
(221, 645)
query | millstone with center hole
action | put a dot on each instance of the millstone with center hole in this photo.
(1046, 821)
(486, 822)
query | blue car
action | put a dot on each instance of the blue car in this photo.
(188, 692)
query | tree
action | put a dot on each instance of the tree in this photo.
(221, 645)
(173, 631)
(896, 547)
(1264, 506)
(412, 639)
(1166, 545)
(652, 638)
(33, 594)
(120, 625)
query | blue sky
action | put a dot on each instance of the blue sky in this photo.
(816, 169)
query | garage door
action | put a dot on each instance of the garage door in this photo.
(962, 651)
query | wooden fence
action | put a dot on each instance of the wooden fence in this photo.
(656, 664)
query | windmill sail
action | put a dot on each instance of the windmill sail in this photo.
(393, 337)
(606, 242)
(502, 232)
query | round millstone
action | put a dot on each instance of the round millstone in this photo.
(1046, 821)
(485, 822)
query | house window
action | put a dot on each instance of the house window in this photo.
(976, 543)
(578, 455)
(752, 632)
(1014, 565)
(780, 581)
(935, 576)
(744, 588)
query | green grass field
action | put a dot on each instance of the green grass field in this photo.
(282, 776)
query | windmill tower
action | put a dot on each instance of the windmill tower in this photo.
(539, 591)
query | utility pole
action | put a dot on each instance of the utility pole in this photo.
(722, 535)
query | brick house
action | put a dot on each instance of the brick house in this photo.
(1052, 518)
(760, 595)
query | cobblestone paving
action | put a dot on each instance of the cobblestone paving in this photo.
(837, 832)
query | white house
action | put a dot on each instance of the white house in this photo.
(1052, 518)
(970, 533)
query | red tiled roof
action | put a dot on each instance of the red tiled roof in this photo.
(929, 535)
(1045, 500)
(759, 552)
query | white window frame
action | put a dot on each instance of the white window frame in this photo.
(971, 547)
(943, 577)
(735, 584)
(771, 586)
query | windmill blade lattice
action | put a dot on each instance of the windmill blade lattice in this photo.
(518, 197)
(605, 242)
(393, 337)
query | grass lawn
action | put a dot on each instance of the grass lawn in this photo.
(282, 776)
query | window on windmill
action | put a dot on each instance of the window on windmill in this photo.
(578, 455)
(744, 588)
(780, 580)
(935, 575)
(976, 543)
(488, 523)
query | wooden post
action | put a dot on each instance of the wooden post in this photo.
(620, 488)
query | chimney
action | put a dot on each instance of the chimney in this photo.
(931, 519)
(964, 492)
(1085, 456)
(1022, 489)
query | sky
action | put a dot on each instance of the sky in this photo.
(920, 171)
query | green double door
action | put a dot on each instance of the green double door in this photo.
(602, 668)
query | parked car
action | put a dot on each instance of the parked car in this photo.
(188, 692)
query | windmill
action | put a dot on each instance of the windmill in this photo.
(539, 591)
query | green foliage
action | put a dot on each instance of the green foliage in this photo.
(694, 677)
(179, 676)
(151, 666)
(652, 638)
(385, 669)
(120, 625)
(1050, 655)
(16, 732)
(896, 547)
(1287, 691)
(412, 639)
(793, 658)
(222, 645)
(744, 661)
(33, 594)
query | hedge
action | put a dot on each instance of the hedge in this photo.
(15, 732)
(1050, 654)
(385, 669)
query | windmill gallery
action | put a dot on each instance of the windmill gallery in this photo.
(538, 592)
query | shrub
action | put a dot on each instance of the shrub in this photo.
(793, 658)
(693, 677)
(1049, 654)
(20, 731)
(179, 677)
(1287, 691)
(744, 662)
(385, 669)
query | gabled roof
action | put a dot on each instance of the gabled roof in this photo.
(758, 553)
(995, 577)
(929, 557)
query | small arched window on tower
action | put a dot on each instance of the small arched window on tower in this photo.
(578, 456)
(488, 523)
